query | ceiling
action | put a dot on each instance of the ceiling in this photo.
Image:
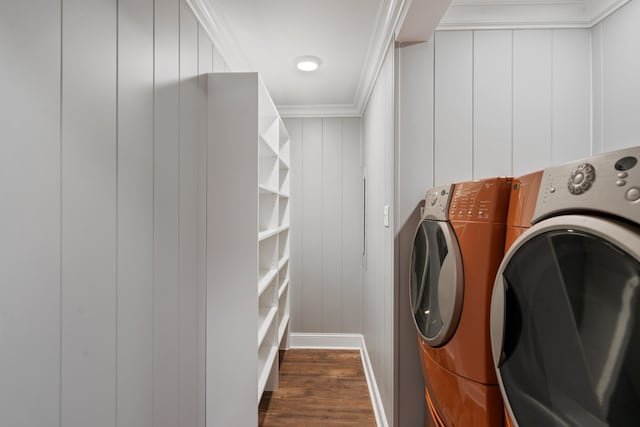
(273, 33)
(351, 38)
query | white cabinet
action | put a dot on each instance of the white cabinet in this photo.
(247, 247)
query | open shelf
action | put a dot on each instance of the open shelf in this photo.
(266, 361)
(265, 149)
(265, 278)
(268, 206)
(271, 135)
(283, 244)
(267, 233)
(268, 168)
(282, 327)
(283, 262)
(265, 320)
(283, 287)
(284, 178)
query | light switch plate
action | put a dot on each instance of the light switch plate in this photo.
(386, 215)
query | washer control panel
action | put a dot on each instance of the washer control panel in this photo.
(436, 202)
(484, 200)
(609, 183)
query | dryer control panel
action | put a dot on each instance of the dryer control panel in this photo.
(485, 200)
(607, 183)
(436, 202)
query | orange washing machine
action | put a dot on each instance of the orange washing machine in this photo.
(457, 248)
(565, 309)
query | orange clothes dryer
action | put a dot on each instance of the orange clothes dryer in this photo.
(457, 249)
(522, 203)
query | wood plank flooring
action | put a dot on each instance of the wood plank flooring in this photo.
(319, 388)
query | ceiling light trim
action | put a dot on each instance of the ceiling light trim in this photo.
(220, 34)
(525, 14)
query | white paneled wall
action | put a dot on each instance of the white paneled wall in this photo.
(378, 292)
(616, 67)
(505, 102)
(30, 214)
(453, 99)
(326, 225)
(135, 213)
(102, 167)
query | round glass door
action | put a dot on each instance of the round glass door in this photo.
(571, 335)
(436, 282)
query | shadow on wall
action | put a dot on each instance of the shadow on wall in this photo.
(409, 395)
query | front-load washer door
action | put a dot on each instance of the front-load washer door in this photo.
(436, 282)
(565, 324)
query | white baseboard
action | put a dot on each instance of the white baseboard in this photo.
(345, 342)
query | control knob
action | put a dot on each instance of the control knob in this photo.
(581, 179)
(433, 199)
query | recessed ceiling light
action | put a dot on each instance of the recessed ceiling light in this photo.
(307, 63)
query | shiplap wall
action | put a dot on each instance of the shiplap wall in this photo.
(101, 308)
(326, 225)
(505, 102)
(616, 87)
(378, 291)
(508, 101)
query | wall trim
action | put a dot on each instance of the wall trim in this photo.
(526, 14)
(345, 342)
(302, 111)
(222, 37)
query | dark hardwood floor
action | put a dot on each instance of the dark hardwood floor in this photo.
(319, 388)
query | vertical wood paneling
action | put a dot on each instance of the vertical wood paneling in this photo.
(218, 62)
(205, 65)
(571, 96)
(30, 213)
(351, 227)
(166, 207)
(414, 169)
(188, 298)
(453, 106)
(294, 127)
(312, 225)
(205, 52)
(597, 88)
(331, 205)
(531, 100)
(89, 214)
(135, 213)
(492, 84)
(415, 150)
(621, 127)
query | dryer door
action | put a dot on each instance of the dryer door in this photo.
(565, 324)
(436, 282)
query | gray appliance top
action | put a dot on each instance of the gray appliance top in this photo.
(436, 202)
(608, 183)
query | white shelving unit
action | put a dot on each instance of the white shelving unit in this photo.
(247, 247)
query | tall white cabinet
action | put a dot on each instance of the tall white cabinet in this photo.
(247, 247)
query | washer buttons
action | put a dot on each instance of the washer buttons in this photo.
(633, 194)
(623, 175)
(621, 183)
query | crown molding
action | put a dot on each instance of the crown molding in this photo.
(222, 37)
(327, 110)
(388, 20)
(520, 14)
